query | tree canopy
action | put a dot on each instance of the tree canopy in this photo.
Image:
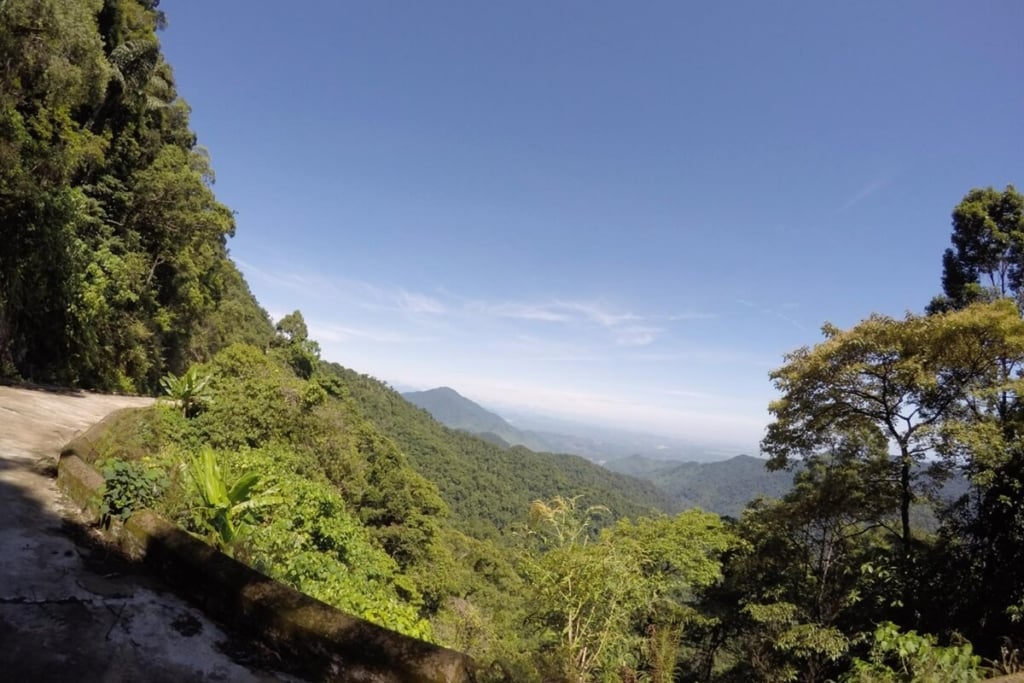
(887, 381)
(986, 260)
(115, 268)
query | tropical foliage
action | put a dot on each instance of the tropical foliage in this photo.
(114, 270)
(115, 275)
(189, 392)
(223, 510)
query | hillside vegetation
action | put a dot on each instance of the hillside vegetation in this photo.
(489, 486)
(114, 269)
(724, 487)
(300, 468)
(114, 274)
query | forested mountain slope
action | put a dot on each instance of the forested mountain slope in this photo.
(488, 486)
(454, 410)
(723, 487)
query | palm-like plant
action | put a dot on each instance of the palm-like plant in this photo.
(190, 391)
(225, 507)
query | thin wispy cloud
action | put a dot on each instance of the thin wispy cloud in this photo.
(330, 333)
(625, 328)
(540, 349)
(598, 313)
(653, 357)
(555, 310)
(678, 317)
(372, 297)
(792, 321)
(635, 335)
(704, 355)
(773, 312)
(865, 192)
(292, 281)
(362, 294)
(517, 310)
(693, 394)
(572, 327)
(412, 302)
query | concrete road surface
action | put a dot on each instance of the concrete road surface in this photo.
(71, 610)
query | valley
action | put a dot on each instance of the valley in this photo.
(723, 486)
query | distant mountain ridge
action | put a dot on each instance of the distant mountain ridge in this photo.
(487, 484)
(596, 443)
(724, 487)
(454, 410)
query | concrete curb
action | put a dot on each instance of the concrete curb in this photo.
(329, 644)
(81, 483)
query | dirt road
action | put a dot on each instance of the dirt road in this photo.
(69, 610)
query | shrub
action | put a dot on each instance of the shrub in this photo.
(129, 486)
(898, 657)
(190, 392)
(225, 507)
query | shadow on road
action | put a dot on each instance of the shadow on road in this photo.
(72, 607)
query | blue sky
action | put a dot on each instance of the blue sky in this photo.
(622, 212)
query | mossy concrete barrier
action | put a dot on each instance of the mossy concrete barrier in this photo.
(327, 644)
(81, 483)
(91, 443)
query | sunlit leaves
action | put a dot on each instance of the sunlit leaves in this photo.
(986, 261)
(190, 391)
(224, 506)
(596, 597)
(114, 263)
(912, 382)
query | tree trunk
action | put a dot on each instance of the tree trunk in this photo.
(906, 498)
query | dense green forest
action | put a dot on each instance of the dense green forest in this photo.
(723, 487)
(114, 267)
(489, 486)
(115, 275)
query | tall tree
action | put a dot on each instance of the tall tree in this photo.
(812, 573)
(293, 344)
(52, 67)
(909, 382)
(978, 585)
(987, 257)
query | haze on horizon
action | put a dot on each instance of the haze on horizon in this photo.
(605, 212)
